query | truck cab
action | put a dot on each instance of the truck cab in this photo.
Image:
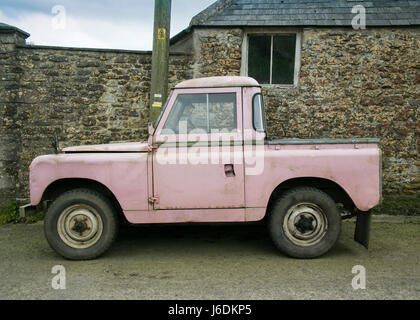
(209, 158)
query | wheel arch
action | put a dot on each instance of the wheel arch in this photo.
(334, 190)
(60, 186)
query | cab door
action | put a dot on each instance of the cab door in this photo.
(198, 160)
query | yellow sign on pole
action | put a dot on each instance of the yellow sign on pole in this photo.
(160, 57)
(161, 34)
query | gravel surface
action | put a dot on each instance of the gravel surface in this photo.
(212, 262)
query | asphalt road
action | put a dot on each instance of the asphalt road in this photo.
(211, 262)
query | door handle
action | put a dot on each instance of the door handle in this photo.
(229, 170)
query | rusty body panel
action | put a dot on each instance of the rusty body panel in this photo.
(195, 215)
(113, 147)
(124, 174)
(205, 183)
(356, 170)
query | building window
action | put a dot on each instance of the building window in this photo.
(272, 59)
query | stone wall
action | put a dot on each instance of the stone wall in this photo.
(362, 83)
(217, 52)
(358, 84)
(86, 96)
(10, 74)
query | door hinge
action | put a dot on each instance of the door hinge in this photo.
(154, 200)
(152, 148)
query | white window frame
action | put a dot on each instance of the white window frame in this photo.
(274, 32)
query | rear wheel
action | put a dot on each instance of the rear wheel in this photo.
(80, 224)
(304, 223)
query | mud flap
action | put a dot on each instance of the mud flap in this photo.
(361, 233)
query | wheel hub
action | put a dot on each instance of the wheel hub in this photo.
(305, 224)
(80, 226)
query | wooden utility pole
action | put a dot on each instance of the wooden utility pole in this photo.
(160, 57)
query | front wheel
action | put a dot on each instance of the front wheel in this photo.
(304, 223)
(80, 224)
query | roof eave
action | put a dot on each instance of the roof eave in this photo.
(11, 29)
(181, 35)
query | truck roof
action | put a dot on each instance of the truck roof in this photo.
(218, 82)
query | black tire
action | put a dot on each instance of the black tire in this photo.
(91, 211)
(295, 213)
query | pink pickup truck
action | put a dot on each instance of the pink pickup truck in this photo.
(208, 159)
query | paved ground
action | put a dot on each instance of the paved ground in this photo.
(212, 262)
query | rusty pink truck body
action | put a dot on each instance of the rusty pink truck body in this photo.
(203, 179)
(127, 173)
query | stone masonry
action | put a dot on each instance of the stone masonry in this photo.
(86, 96)
(352, 83)
(363, 83)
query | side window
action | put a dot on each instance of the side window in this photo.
(222, 111)
(271, 58)
(202, 113)
(258, 113)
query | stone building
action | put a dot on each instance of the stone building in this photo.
(321, 78)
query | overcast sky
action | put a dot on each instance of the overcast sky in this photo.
(121, 24)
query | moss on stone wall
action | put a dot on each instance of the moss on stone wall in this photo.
(9, 212)
(399, 205)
